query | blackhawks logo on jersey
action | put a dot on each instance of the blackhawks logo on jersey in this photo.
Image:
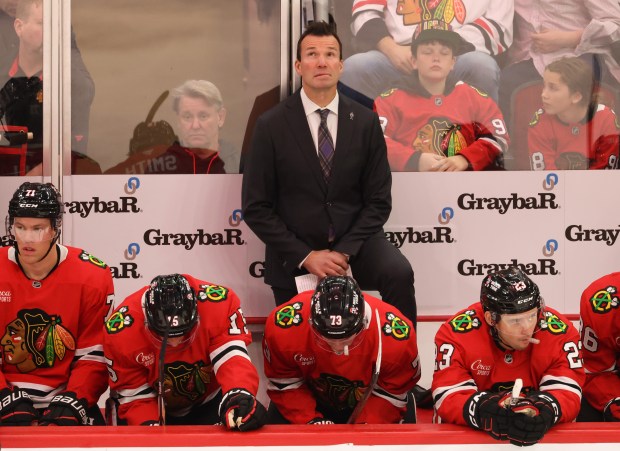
(213, 293)
(536, 119)
(604, 301)
(289, 316)
(86, 257)
(553, 324)
(465, 322)
(337, 391)
(396, 327)
(119, 320)
(185, 382)
(35, 339)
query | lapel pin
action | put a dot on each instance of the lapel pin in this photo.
(351, 115)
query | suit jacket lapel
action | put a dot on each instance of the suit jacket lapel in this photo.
(298, 126)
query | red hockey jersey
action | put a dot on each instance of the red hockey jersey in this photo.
(463, 121)
(52, 338)
(300, 372)
(216, 359)
(589, 144)
(600, 336)
(468, 360)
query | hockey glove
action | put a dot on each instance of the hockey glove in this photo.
(66, 410)
(239, 409)
(486, 411)
(536, 413)
(16, 408)
(612, 410)
(320, 420)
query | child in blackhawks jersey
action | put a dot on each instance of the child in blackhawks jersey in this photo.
(572, 130)
(433, 125)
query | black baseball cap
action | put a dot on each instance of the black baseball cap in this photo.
(438, 30)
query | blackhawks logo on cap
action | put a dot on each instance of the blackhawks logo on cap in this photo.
(465, 322)
(289, 316)
(604, 301)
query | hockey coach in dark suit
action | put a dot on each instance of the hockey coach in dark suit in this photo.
(317, 184)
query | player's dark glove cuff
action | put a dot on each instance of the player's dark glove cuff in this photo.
(16, 408)
(66, 409)
(240, 409)
(320, 420)
(486, 411)
(538, 411)
(612, 410)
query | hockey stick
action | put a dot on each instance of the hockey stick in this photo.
(375, 376)
(161, 403)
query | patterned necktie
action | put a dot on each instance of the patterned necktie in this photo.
(326, 145)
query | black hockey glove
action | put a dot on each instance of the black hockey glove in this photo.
(239, 409)
(535, 414)
(16, 408)
(486, 411)
(612, 410)
(320, 420)
(66, 410)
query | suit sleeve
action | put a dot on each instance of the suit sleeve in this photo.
(259, 191)
(228, 349)
(89, 376)
(376, 181)
(600, 352)
(452, 382)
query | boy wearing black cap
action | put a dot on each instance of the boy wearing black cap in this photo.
(431, 124)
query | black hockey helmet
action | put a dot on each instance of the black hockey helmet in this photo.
(170, 302)
(337, 308)
(509, 291)
(36, 200)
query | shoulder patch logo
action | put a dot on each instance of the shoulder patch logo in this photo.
(553, 324)
(396, 327)
(289, 316)
(465, 322)
(119, 320)
(536, 119)
(388, 93)
(213, 293)
(604, 301)
(482, 93)
(85, 256)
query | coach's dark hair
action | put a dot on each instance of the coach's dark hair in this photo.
(320, 28)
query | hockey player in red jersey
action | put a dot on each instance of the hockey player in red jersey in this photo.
(572, 130)
(509, 335)
(600, 335)
(198, 330)
(54, 301)
(322, 349)
(433, 125)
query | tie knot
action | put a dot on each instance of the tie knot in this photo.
(324, 113)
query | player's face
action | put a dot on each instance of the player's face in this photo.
(556, 95)
(33, 237)
(423, 141)
(30, 30)
(320, 65)
(515, 330)
(434, 61)
(14, 343)
(199, 123)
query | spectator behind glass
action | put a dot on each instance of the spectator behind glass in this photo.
(22, 87)
(572, 130)
(383, 30)
(200, 116)
(433, 124)
(546, 30)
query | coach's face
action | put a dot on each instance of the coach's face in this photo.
(320, 65)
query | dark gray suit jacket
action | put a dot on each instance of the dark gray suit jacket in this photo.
(286, 201)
